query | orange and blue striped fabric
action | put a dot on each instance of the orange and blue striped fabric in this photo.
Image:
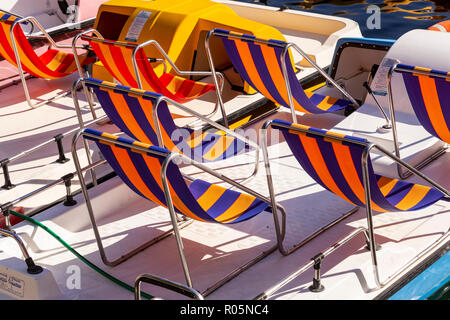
(133, 114)
(52, 64)
(336, 166)
(430, 98)
(201, 200)
(117, 59)
(259, 64)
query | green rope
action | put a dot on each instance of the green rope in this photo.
(78, 255)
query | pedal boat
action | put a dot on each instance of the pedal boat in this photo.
(332, 251)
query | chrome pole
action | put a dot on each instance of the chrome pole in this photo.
(164, 283)
(370, 228)
(173, 217)
(214, 75)
(287, 83)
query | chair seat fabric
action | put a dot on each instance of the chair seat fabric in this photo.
(52, 64)
(337, 166)
(117, 57)
(259, 62)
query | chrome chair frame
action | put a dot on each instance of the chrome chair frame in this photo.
(180, 106)
(136, 69)
(35, 23)
(164, 283)
(284, 251)
(279, 230)
(370, 235)
(284, 69)
(435, 155)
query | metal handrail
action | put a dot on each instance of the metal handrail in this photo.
(160, 98)
(18, 16)
(164, 283)
(267, 293)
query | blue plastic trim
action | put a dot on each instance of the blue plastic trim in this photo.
(426, 283)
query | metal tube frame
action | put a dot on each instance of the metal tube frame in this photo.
(164, 283)
(32, 268)
(98, 238)
(267, 293)
(138, 47)
(76, 104)
(36, 23)
(285, 47)
(211, 123)
(387, 125)
(312, 63)
(142, 278)
(80, 121)
(219, 86)
(401, 173)
(170, 156)
(370, 228)
(28, 36)
(46, 187)
(284, 251)
(13, 235)
(180, 106)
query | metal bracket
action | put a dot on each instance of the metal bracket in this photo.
(8, 185)
(68, 183)
(317, 286)
(62, 158)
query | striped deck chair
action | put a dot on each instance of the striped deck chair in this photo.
(429, 93)
(342, 165)
(120, 58)
(16, 49)
(132, 110)
(151, 173)
(267, 67)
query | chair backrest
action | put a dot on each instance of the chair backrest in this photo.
(139, 165)
(335, 162)
(259, 62)
(132, 111)
(429, 94)
(53, 64)
(117, 57)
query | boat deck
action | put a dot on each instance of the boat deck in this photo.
(213, 251)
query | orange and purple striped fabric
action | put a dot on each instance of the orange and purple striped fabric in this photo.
(117, 58)
(430, 98)
(133, 114)
(52, 64)
(201, 200)
(260, 65)
(336, 165)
